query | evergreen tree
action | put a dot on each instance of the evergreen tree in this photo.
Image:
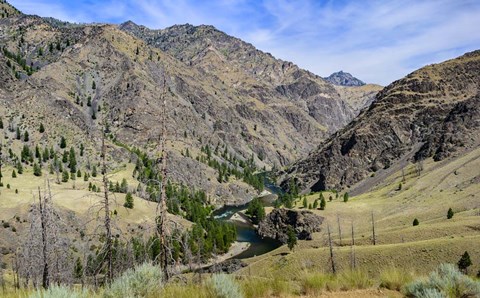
(19, 167)
(305, 203)
(19, 134)
(14, 174)
(256, 211)
(315, 204)
(94, 171)
(65, 157)
(1, 123)
(25, 136)
(78, 269)
(124, 186)
(37, 171)
(416, 222)
(72, 161)
(345, 197)
(42, 128)
(89, 101)
(128, 201)
(323, 203)
(79, 173)
(450, 213)
(464, 262)
(94, 86)
(85, 177)
(65, 176)
(81, 149)
(63, 143)
(291, 238)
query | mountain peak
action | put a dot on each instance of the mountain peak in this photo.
(342, 78)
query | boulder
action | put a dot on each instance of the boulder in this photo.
(276, 224)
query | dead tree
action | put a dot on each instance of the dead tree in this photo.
(106, 207)
(339, 229)
(44, 258)
(374, 238)
(161, 216)
(352, 252)
(43, 222)
(332, 260)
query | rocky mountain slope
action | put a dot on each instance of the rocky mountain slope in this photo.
(432, 112)
(227, 103)
(341, 78)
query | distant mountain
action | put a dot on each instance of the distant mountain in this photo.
(341, 78)
(432, 112)
(229, 104)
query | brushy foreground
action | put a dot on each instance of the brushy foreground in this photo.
(147, 281)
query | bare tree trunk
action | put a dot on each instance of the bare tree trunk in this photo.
(339, 229)
(332, 260)
(374, 238)
(43, 221)
(353, 257)
(162, 229)
(107, 221)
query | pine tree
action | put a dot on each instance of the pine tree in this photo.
(14, 174)
(315, 204)
(63, 143)
(65, 176)
(25, 136)
(1, 123)
(291, 238)
(464, 262)
(85, 177)
(323, 203)
(128, 201)
(345, 197)
(79, 173)
(94, 86)
(124, 186)
(42, 128)
(305, 203)
(37, 171)
(19, 134)
(78, 269)
(450, 213)
(72, 161)
(416, 222)
(94, 171)
(19, 167)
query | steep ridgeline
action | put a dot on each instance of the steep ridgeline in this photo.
(303, 99)
(229, 106)
(342, 78)
(432, 112)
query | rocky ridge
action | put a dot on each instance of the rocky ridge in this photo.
(432, 112)
(276, 224)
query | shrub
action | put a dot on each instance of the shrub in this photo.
(354, 279)
(225, 287)
(314, 283)
(445, 281)
(450, 213)
(143, 281)
(394, 279)
(55, 291)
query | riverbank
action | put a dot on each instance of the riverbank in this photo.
(240, 216)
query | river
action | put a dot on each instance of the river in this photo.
(246, 232)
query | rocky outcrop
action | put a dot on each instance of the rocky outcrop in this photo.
(436, 106)
(228, 266)
(276, 224)
(341, 78)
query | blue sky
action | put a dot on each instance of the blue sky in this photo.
(376, 41)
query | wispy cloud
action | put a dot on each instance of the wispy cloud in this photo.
(377, 40)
